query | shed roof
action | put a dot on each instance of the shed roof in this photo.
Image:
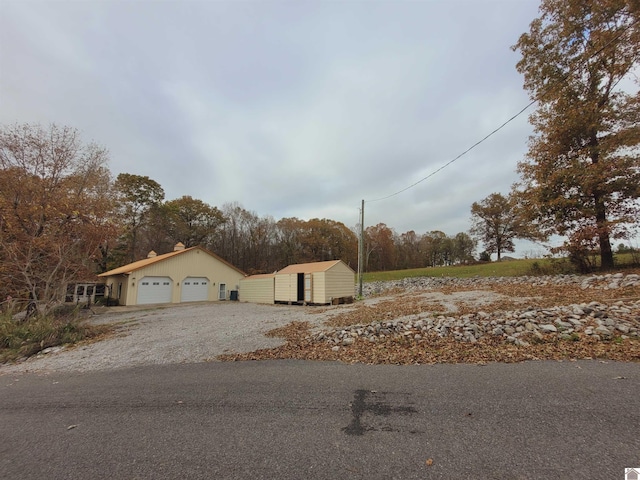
(260, 275)
(132, 267)
(311, 267)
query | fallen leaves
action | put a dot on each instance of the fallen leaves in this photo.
(432, 350)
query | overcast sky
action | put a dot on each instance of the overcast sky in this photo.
(296, 108)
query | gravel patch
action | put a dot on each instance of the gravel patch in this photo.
(173, 334)
(200, 332)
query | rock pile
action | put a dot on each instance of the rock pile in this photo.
(573, 322)
(596, 321)
(602, 282)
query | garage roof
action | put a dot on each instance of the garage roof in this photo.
(132, 267)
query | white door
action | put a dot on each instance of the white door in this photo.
(194, 289)
(223, 292)
(154, 290)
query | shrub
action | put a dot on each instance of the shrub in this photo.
(27, 337)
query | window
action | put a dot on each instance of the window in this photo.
(187, 283)
(196, 283)
(145, 283)
(156, 283)
(166, 283)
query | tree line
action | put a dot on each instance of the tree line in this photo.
(63, 217)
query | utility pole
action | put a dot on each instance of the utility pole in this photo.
(361, 251)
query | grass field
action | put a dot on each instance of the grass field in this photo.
(510, 268)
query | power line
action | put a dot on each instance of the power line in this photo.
(533, 102)
(459, 156)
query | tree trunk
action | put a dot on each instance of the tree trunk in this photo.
(606, 254)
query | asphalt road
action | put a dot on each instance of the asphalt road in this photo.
(297, 420)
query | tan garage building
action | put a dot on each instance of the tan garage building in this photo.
(315, 283)
(184, 275)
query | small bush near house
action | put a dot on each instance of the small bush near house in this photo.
(23, 338)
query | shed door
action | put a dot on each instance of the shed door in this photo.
(195, 289)
(307, 287)
(154, 290)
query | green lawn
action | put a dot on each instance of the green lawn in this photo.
(510, 268)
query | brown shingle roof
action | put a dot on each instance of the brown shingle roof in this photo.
(310, 267)
(132, 267)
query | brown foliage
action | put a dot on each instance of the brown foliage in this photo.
(54, 210)
(582, 173)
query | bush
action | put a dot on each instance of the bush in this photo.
(485, 256)
(553, 266)
(27, 337)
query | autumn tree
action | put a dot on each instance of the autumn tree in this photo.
(245, 239)
(325, 239)
(581, 178)
(289, 234)
(191, 221)
(408, 250)
(380, 248)
(463, 248)
(496, 221)
(137, 197)
(54, 210)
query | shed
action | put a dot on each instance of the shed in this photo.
(258, 288)
(318, 283)
(184, 275)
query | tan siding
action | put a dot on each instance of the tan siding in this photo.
(194, 263)
(340, 282)
(286, 287)
(257, 290)
(337, 281)
(112, 282)
(318, 288)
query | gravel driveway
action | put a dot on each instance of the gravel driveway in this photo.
(174, 334)
(191, 333)
(199, 332)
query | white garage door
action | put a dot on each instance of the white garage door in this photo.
(195, 289)
(154, 290)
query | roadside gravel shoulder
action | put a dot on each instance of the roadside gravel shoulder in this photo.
(190, 333)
